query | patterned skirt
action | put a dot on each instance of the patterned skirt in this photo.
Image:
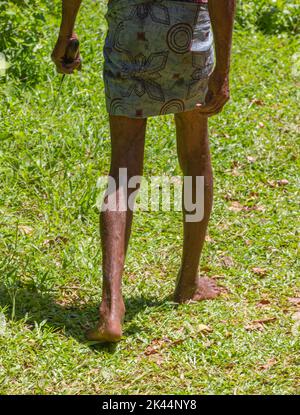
(158, 55)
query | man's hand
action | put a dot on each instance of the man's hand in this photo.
(221, 14)
(217, 94)
(59, 53)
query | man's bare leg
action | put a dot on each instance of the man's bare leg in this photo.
(127, 139)
(194, 158)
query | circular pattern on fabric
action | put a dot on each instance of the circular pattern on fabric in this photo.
(179, 37)
(174, 105)
(116, 106)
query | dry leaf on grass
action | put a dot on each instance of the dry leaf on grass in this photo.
(294, 300)
(259, 271)
(259, 324)
(296, 326)
(271, 183)
(25, 230)
(268, 364)
(254, 326)
(156, 358)
(263, 303)
(156, 345)
(235, 171)
(52, 242)
(276, 183)
(208, 239)
(203, 328)
(238, 207)
(218, 277)
(228, 196)
(265, 320)
(282, 182)
(258, 208)
(227, 261)
(256, 101)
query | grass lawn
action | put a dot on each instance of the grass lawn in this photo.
(246, 342)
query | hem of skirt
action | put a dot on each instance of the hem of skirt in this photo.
(112, 3)
(150, 114)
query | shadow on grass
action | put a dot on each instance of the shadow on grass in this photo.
(73, 320)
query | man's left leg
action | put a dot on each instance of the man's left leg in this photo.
(194, 159)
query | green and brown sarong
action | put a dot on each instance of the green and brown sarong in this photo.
(158, 55)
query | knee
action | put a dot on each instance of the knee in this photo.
(127, 130)
(191, 121)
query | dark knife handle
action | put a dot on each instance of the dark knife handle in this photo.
(71, 51)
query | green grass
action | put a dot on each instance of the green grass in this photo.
(50, 255)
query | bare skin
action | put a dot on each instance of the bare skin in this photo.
(194, 159)
(66, 33)
(128, 138)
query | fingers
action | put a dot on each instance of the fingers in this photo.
(67, 68)
(60, 68)
(213, 106)
(65, 65)
(73, 65)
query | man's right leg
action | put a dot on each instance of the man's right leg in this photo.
(127, 140)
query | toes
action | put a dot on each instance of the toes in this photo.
(207, 289)
(215, 288)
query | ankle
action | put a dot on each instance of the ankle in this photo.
(112, 306)
(186, 281)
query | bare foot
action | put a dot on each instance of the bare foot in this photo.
(206, 289)
(109, 327)
(105, 333)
